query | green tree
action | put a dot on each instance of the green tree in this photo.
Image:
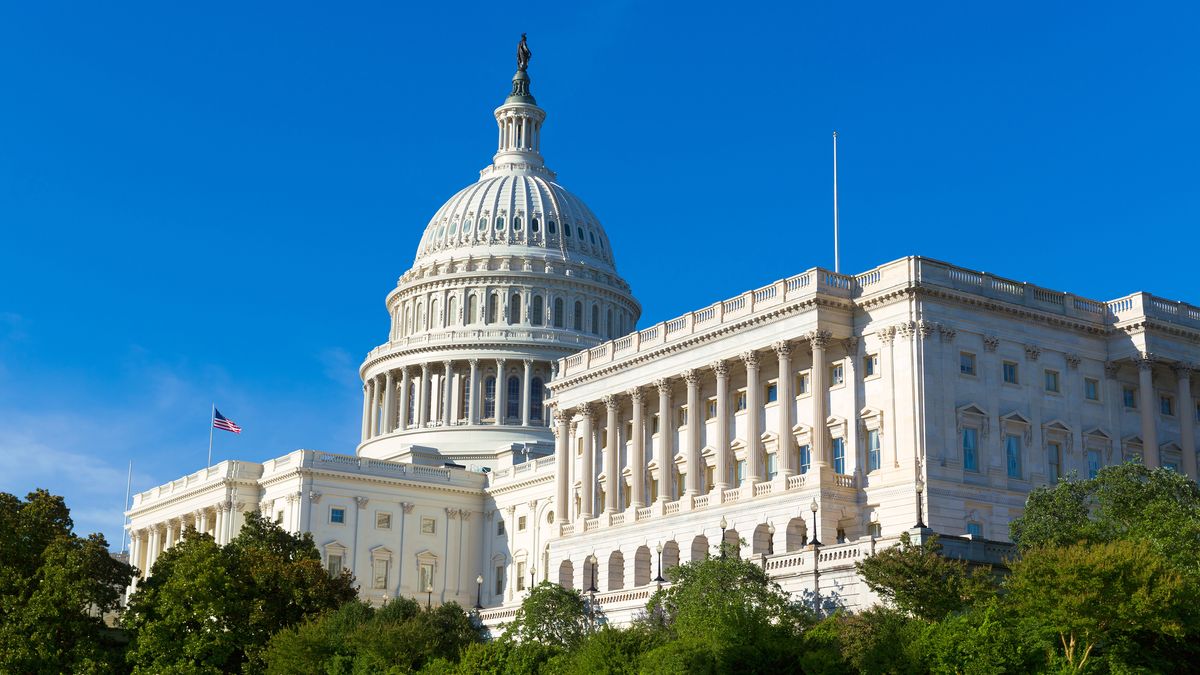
(1120, 602)
(54, 587)
(1159, 507)
(208, 608)
(553, 616)
(611, 651)
(919, 581)
(882, 640)
(981, 641)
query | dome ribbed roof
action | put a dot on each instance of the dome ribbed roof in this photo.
(515, 213)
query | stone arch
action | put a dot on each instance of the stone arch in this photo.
(616, 571)
(566, 574)
(733, 541)
(451, 311)
(589, 569)
(699, 548)
(641, 566)
(670, 556)
(796, 535)
(761, 541)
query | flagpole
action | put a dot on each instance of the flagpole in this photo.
(125, 518)
(836, 265)
(211, 418)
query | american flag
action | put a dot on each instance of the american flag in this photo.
(221, 422)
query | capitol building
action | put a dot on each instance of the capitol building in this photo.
(518, 427)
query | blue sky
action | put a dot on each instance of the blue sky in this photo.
(209, 202)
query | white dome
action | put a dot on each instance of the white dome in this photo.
(516, 213)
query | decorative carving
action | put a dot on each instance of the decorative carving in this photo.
(532, 504)
(474, 363)
(782, 349)
(947, 333)
(691, 377)
(721, 369)
(314, 496)
(887, 334)
(636, 394)
(1073, 360)
(407, 507)
(926, 328)
(489, 515)
(264, 506)
(611, 402)
(663, 385)
(523, 54)
(906, 329)
(586, 411)
(361, 501)
(991, 343)
(852, 345)
(1145, 361)
(819, 339)
(1184, 370)
(452, 514)
(466, 515)
(1032, 352)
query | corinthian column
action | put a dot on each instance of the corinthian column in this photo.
(446, 392)
(754, 472)
(588, 474)
(423, 398)
(473, 392)
(366, 416)
(525, 393)
(783, 392)
(501, 392)
(664, 453)
(721, 369)
(389, 402)
(562, 458)
(1187, 419)
(692, 442)
(405, 385)
(817, 341)
(611, 465)
(1145, 366)
(637, 462)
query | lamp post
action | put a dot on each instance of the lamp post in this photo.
(771, 539)
(429, 596)
(479, 592)
(813, 507)
(659, 579)
(591, 591)
(724, 526)
(920, 510)
(532, 578)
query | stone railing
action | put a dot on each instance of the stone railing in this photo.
(212, 475)
(523, 471)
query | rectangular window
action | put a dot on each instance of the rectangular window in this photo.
(279, 517)
(683, 415)
(1166, 405)
(802, 384)
(1091, 389)
(712, 408)
(1051, 377)
(1010, 372)
(1093, 459)
(870, 365)
(654, 423)
(710, 474)
(499, 528)
(970, 447)
(520, 576)
(772, 393)
(966, 363)
(739, 400)
(499, 585)
(653, 490)
(680, 478)
(1129, 395)
(428, 526)
(975, 529)
(1054, 450)
(335, 564)
(425, 576)
(839, 455)
(379, 573)
(772, 466)
(1171, 466)
(337, 515)
(520, 523)
(805, 458)
(872, 450)
(1012, 450)
(741, 471)
(383, 520)
(837, 375)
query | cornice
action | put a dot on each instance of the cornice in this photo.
(547, 477)
(224, 485)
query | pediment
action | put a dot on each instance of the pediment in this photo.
(972, 409)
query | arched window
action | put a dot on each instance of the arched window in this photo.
(408, 320)
(534, 225)
(608, 324)
(579, 316)
(499, 224)
(559, 321)
(489, 398)
(514, 309)
(536, 391)
(435, 321)
(451, 310)
(483, 224)
(595, 319)
(551, 227)
(513, 404)
(535, 311)
(567, 229)
(420, 316)
(412, 403)
(472, 309)
(493, 301)
(517, 224)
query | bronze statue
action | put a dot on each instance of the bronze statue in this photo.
(523, 54)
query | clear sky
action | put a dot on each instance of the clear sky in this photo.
(209, 201)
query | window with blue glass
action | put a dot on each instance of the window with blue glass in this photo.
(1093, 463)
(772, 393)
(741, 471)
(337, 515)
(970, 447)
(772, 466)
(975, 529)
(872, 450)
(805, 458)
(513, 404)
(536, 391)
(1012, 451)
(489, 398)
(839, 455)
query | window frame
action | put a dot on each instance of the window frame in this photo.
(339, 510)
(974, 372)
(1005, 366)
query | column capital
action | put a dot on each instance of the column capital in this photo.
(750, 359)
(586, 411)
(926, 328)
(947, 332)
(407, 507)
(663, 385)
(424, 369)
(361, 501)
(611, 401)
(721, 369)
(1183, 370)
(1111, 368)
(474, 363)
(887, 334)
(636, 394)
(1145, 361)
(818, 339)
(782, 349)
(528, 363)
(691, 377)
(500, 364)
(1073, 361)
(991, 343)
(852, 345)
(1032, 352)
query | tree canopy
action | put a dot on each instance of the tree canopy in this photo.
(918, 580)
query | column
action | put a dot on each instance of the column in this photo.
(202, 520)
(446, 392)
(721, 482)
(423, 398)
(754, 469)
(525, 393)
(695, 419)
(501, 392)
(562, 459)
(1145, 365)
(637, 460)
(151, 549)
(405, 384)
(664, 454)
(612, 472)
(817, 341)
(783, 392)
(472, 392)
(1187, 419)
(587, 477)
(373, 415)
(389, 403)
(366, 415)
(135, 550)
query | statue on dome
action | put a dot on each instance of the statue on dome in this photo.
(523, 54)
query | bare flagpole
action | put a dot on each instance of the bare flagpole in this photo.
(836, 265)
(211, 418)
(124, 518)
